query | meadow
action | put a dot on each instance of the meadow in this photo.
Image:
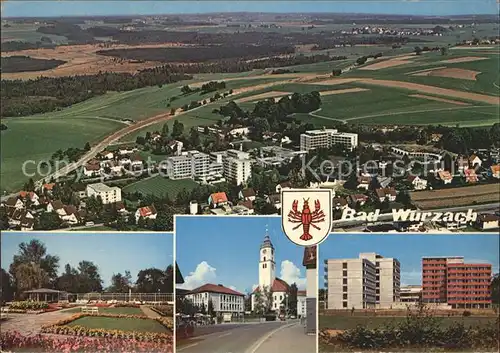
(160, 186)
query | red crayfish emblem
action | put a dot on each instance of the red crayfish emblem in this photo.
(306, 218)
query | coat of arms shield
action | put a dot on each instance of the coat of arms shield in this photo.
(306, 215)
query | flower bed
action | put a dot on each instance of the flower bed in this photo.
(39, 343)
(29, 305)
(61, 327)
(126, 305)
(163, 310)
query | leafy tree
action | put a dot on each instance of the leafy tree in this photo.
(259, 304)
(495, 289)
(87, 146)
(89, 278)
(165, 130)
(4, 219)
(152, 280)
(418, 50)
(33, 267)
(210, 308)
(120, 283)
(194, 137)
(7, 287)
(178, 129)
(69, 281)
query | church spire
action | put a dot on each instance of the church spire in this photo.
(267, 240)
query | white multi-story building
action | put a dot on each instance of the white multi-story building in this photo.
(366, 282)
(179, 167)
(327, 138)
(224, 300)
(192, 164)
(388, 279)
(237, 166)
(301, 303)
(107, 194)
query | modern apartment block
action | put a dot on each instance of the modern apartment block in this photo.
(388, 278)
(326, 138)
(449, 280)
(106, 193)
(411, 294)
(192, 164)
(237, 166)
(369, 281)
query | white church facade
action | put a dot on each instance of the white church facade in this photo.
(279, 289)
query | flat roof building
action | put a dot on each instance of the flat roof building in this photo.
(327, 138)
(452, 281)
(106, 193)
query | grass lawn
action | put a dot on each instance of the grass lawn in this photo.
(118, 311)
(123, 324)
(350, 322)
(37, 138)
(159, 185)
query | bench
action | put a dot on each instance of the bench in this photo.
(90, 309)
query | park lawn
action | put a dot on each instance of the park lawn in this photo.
(371, 322)
(37, 138)
(117, 311)
(122, 324)
(160, 186)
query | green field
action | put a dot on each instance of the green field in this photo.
(27, 33)
(36, 139)
(160, 186)
(117, 311)
(122, 324)
(350, 322)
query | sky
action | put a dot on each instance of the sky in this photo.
(111, 252)
(410, 248)
(18, 8)
(225, 250)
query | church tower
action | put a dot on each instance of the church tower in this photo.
(266, 264)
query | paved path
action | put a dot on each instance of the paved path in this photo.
(148, 312)
(31, 324)
(289, 339)
(249, 338)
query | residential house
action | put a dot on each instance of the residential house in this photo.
(56, 206)
(106, 155)
(31, 196)
(488, 221)
(27, 224)
(474, 161)
(445, 176)
(364, 182)
(470, 176)
(18, 216)
(107, 194)
(357, 199)
(70, 216)
(146, 212)
(248, 204)
(218, 199)
(136, 162)
(14, 203)
(417, 182)
(339, 203)
(80, 190)
(247, 194)
(127, 151)
(47, 188)
(285, 185)
(384, 181)
(495, 171)
(91, 170)
(275, 200)
(386, 193)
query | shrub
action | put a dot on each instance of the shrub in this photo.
(466, 313)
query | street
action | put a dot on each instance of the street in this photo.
(270, 337)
